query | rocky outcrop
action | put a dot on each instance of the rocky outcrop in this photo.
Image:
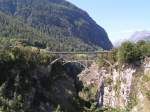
(90, 75)
(143, 90)
(118, 86)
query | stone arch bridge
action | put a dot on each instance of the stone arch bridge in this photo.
(83, 58)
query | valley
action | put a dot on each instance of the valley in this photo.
(54, 57)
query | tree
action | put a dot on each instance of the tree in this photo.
(129, 53)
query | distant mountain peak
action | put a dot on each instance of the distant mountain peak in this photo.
(140, 35)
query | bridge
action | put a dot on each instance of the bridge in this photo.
(92, 52)
(85, 58)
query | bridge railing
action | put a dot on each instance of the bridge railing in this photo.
(92, 52)
(84, 57)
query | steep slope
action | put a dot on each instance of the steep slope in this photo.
(10, 27)
(33, 81)
(58, 19)
(15, 30)
(121, 88)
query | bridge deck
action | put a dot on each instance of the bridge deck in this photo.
(92, 52)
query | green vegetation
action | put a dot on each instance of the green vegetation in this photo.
(16, 66)
(93, 108)
(56, 25)
(146, 78)
(117, 87)
(108, 81)
(130, 52)
(110, 109)
(27, 86)
(14, 30)
(145, 83)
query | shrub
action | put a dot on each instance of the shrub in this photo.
(16, 77)
(144, 48)
(114, 57)
(129, 53)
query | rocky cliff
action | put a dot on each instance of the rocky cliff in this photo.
(123, 88)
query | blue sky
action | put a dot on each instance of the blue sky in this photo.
(120, 18)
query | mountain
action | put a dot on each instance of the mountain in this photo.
(140, 35)
(13, 31)
(56, 20)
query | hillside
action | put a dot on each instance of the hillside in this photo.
(13, 31)
(58, 20)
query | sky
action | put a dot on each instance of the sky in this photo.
(120, 18)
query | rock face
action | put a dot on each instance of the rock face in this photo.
(122, 87)
(117, 93)
(57, 18)
(113, 88)
(143, 96)
(90, 75)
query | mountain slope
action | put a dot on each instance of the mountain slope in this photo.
(13, 31)
(10, 27)
(57, 18)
